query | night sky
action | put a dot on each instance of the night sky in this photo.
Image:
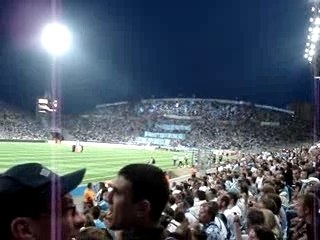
(131, 49)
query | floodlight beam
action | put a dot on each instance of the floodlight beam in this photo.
(56, 39)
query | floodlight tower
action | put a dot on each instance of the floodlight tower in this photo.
(56, 40)
(312, 54)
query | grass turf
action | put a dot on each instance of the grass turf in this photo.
(102, 163)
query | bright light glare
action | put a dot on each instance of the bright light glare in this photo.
(56, 39)
(307, 50)
(312, 52)
(309, 59)
(307, 44)
(313, 9)
(315, 38)
(311, 19)
(310, 29)
(306, 56)
(316, 30)
(317, 21)
(313, 46)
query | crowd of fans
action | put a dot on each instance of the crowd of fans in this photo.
(15, 124)
(212, 124)
(270, 195)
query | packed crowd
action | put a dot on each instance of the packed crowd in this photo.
(271, 195)
(213, 124)
(218, 110)
(15, 124)
(248, 135)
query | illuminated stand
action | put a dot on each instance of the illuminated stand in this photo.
(312, 55)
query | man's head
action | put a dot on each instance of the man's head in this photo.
(307, 206)
(223, 201)
(39, 203)
(208, 212)
(138, 198)
(296, 174)
(233, 196)
(255, 217)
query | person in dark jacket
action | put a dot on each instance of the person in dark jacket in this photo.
(139, 195)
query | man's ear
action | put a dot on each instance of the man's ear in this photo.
(21, 228)
(143, 208)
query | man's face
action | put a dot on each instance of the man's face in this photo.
(121, 209)
(105, 196)
(296, 174)
(68, 222)
(252, 235)
(204, 217)
(304, 175)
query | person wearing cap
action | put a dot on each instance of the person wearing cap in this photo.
(140, 194)
(35, 203)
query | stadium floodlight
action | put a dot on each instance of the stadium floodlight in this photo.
(312, 52)
(307, 50)
(316, 30)
(311, 19)
(306, 56)
(56, 39)
(307, 44)
(317, 21)
(309, 59)
(313, 9)
(315, 38)
(312, 46)
(310, 29)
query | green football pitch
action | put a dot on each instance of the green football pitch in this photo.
(102, 163)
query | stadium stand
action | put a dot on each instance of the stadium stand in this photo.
(18, 125)
(201, 123)
(271, 194)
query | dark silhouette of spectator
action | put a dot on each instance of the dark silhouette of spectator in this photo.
(35, 203)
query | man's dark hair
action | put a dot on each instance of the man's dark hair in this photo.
(234, 196)
(275, 197)
(95, 211)
(148, 182)
(213, 209)
(270, 204)
(263, 233)
(201, 195)
(255, 217)
(226, 199)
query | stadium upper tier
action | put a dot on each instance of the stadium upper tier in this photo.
(172, 122)
(189, 122)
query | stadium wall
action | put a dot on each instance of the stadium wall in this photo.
(108, 145)
(23, 140)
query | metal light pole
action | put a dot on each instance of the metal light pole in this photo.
(56, 40)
